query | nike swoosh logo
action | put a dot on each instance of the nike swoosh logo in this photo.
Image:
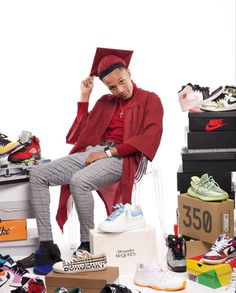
(231, 250)
(213, 127)
(231, 102)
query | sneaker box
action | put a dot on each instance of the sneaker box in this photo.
(224, 179)
(21, 248)
(203, 220)
(211, 140)
(126, 249)
(213, 276)
(13, 230)
(212, 121)
(209, 161)
(196, 247)
(89, 282)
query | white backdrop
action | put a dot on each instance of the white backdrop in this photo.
(47, 47)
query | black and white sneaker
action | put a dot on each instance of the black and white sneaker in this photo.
(175, 255)
(114, 288)
(225, 102)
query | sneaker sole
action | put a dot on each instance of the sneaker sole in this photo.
(211, 98)
(183, 285)
(177, 269)
(17, 160)
(130, 227)
(205, 198)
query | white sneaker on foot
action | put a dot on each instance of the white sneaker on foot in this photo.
(124, 218)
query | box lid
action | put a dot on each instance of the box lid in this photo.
(96, 279)
(205, 156)
(205, 114)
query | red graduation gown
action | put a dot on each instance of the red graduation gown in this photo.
(142, 129)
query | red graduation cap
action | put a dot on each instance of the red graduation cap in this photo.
(105, 57)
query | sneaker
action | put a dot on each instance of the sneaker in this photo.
(83, 246)
(31, 285)
(157, 278)
(231, 287)
(223, 249)
(4, 277)
(64, 290)
(45, 258)
(83, 262)
(225, 102)
(175, 255)
(124, 218)
(191, 96)
(31, 150)
(7, 147)
(205, 188)
(114, 288)
(15, 269)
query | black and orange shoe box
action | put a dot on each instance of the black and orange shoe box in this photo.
(89, 282)
(211, 140)
(13, 230)
(210, 161)
(212, 121)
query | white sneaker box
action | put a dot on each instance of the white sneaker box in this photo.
(125, 250)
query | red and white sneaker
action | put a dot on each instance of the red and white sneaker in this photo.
(31, 150)
(223, 249)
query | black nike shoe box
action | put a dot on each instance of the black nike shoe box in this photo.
(212, 121)
(224, 179)
(211, 140)
(208, 161)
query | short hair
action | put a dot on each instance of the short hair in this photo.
(110, 68)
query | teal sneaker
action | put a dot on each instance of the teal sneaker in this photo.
(205, 188)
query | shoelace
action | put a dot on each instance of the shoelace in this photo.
(220, 244)
(81, 255)
(19, 269)
(177, 251)
(209, 184)
(119, 209)
(3, 140)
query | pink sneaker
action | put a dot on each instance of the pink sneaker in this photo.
(191, 96)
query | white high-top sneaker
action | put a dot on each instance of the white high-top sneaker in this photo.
(124, 218)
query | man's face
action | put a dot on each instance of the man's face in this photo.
(119, 83)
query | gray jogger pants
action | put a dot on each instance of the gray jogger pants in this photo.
(82, 180)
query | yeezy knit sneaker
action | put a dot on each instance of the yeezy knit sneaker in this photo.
(175, 255)
(231, 287)
(205, 188)
(124, 218)
(157, 278)
(225, 102)
(83, 262)
(191, 96)
(7, 147)
(4, 277)
(223, 249)
(30, 151)
(15, 269)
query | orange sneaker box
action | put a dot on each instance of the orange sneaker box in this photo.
(89, 282)
(205, 221)
(13, 230)
(213, 276)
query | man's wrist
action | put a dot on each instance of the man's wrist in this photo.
(108, 152)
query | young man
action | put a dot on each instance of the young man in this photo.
(108, 143)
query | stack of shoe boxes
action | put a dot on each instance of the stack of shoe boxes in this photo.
(18, 232)
(211, 149)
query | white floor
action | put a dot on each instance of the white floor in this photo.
(127, 280)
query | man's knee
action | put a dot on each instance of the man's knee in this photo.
(36, 173)
(79, 182)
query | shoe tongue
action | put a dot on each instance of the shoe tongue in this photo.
(204, 177)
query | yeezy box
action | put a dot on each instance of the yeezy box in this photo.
(126, 249)
(213, 276)
(89, 282)
(205, 220)
(212, 121)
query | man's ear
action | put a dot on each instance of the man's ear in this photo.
(129, 73)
